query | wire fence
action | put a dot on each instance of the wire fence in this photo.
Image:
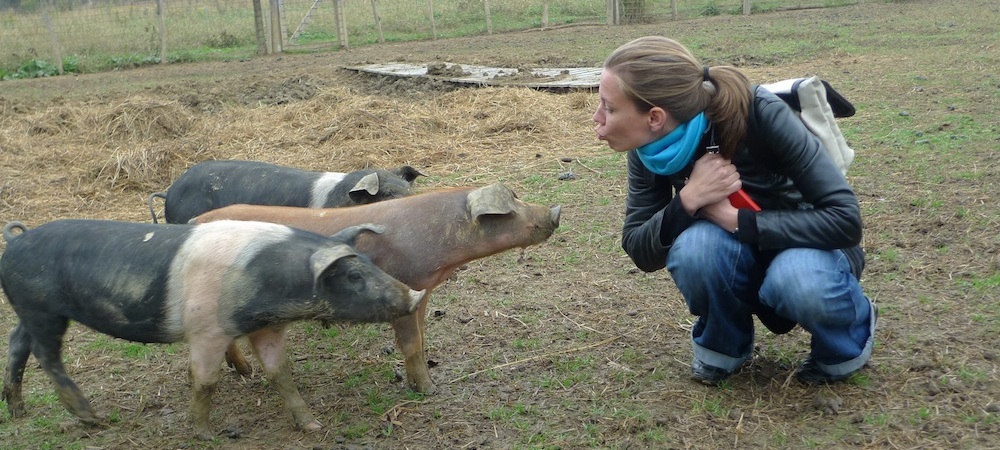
(95, 35)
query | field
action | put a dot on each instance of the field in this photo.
(565, 344)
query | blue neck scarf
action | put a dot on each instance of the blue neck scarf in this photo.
(671, 153)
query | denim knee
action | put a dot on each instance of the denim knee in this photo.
(801, 283)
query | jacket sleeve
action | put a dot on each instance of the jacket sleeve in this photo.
(653, 216)
(832, 218)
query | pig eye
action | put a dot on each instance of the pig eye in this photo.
(354, 276)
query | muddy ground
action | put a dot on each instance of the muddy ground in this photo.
(565, 344)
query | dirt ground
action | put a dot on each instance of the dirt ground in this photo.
(561, 345)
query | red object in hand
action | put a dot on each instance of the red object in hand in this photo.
(741, 200)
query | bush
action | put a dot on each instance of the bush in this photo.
(37, 68)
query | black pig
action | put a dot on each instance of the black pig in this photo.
(214, 184)
(205, 284)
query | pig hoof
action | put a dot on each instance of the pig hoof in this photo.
(15, 403)
(312, 426)
(204, 435)
(429, 388)
(94, 421)
(17, 410)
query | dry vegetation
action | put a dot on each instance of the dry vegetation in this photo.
(564, 345)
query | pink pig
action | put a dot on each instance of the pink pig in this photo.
(427, 237)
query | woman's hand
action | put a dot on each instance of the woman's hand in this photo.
(721, 213)
(712, 180)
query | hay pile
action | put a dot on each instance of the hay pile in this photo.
(97, 159)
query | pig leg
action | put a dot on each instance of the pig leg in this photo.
(206, 355)
(236, 360)
(19, 348)
(410, 340)
(269, 347)
(46, 344)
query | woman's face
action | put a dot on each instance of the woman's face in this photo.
(620, 123)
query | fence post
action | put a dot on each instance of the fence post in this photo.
(430, 15)
(258, 24)
(338, 16)
(55, 40)
(545, 14)
(673, 8)
(277, 44)
(161, 12)
(747, 7)
(284, 21)
(489, 20)
(613, 18)
(378, 21)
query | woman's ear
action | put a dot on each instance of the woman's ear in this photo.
(658, 120)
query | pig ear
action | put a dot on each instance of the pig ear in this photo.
(325, 257)
(408, 173)
(350, 234)
(492, 199)
(367, 183)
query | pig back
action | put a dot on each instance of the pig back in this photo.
(102, 274)
(214, 184)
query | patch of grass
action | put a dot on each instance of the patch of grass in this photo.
(355, 430)
(861, 379)
(525, 344)
(378, 400)
(880, 419)
(779, 438)
(984, 283)
(889, 255)
(129, 350)
(505, 413)
(971, 374)
(710, 406)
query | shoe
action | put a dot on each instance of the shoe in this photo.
(708, 375)
(811, 374)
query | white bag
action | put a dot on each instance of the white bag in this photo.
(819, 105)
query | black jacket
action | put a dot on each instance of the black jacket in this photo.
(806, 201)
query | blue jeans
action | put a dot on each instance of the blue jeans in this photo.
(813, 288)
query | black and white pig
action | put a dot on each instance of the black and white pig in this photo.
(213, 184)
(203, 284)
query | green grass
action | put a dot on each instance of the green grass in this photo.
(107, 37)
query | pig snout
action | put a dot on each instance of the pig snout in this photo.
(554, 216)
(400, 300)
(415, 298)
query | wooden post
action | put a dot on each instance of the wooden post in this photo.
(545, 14)
(613, 18)
(277, 42)
(746, 7)
(430, 15)
(284, 20)
(489, 20)
(161, 12)
(673, 8)
(258, 24)
(338, 16)
(56, 50)
(378, 21)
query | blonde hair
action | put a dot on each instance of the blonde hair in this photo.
(659, 71)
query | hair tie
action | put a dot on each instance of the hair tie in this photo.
(705, 75)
